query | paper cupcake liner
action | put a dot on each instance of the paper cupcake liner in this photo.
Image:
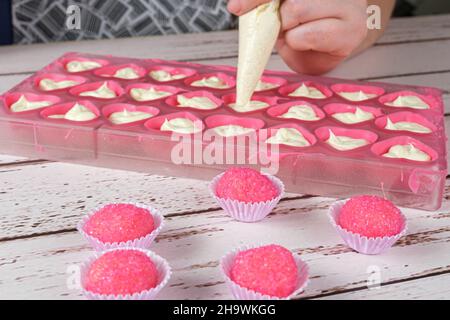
(162, 267)
(248, 212)
(142, 242)
(241, 293)
(359, 243)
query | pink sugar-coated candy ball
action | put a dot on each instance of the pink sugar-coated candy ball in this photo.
(119, 223)
(121, 272)
(246, 185)
(371, 216)
(270, 270)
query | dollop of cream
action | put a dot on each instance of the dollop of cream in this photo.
(262, 86)
(50, 85)
(251, 106)
(141, 94)
(301, 112)
(290, 137)
(103, 92)
(23, 104)
(77, 113)
(164, 76)
(353, 117)
(78, 66)
(202, 103)
(408, 102)
(211, 82)
(126, 116)
(357, 95)
(407, 152)
(344, 143)
(406, 126)
(126, 73)
(180, 125)
(232, 130)
(307, 92)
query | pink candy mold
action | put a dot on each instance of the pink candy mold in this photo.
(231, 98)
(55, 77)
(350, 87)
(308, 135)
(223, 120)
(226, 79)
(405, 116)
(75, 57)
(430, 101)
(290, 88)
(120, 107)
(173, 100)
(383, 147)
(110, 71)
(334, 108)
(323, 133)
(268, 272)
(148, 86)
(11, 98)
(173, 70)
(62, 109)
(124, 274)
(277, 111)
(156, 123)
(275, 81)
(112, 85)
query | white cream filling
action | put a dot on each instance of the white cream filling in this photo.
(141, 94)
(353, 117)
(23, 104)
(232, 130)
(344, 143)
(262, 86)
(126, 73)
(103, 92)
(406, 126)
(126, 116)
(307, 92)
(407, 152)
(78, 66)
(357, 95)
(202, 103)
(49, 84)
(77, 113)
(211, 82)
(408, 102)
(164, 76)
(300, 112)
(251, 106)
(180, 125)
(290, 137)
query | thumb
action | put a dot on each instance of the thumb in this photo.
(239, 7)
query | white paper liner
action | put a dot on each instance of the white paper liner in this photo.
(248, 212)
(142, 242)
(241, 293)
(360, 243)
(162, 267)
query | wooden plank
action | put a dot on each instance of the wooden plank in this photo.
(193, 244)
(428, 288)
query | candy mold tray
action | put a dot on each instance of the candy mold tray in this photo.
(318, 169)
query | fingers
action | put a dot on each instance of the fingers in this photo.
(239, 7)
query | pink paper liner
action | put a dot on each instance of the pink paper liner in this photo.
(362, 244)
(247, 212)
(241, 293)
(162, 267)
(142, 242)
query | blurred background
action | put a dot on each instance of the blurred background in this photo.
(38, 21)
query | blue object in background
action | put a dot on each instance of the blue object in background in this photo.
(6, 33)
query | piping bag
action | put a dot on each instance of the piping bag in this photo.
(258, 33)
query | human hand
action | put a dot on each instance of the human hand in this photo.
(316, 35)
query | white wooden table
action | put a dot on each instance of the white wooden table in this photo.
(42, 201)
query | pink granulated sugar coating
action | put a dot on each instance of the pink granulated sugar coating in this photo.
(119, 223)
(246, 185)
(371, 216)
(270, 270)
(121, 272)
